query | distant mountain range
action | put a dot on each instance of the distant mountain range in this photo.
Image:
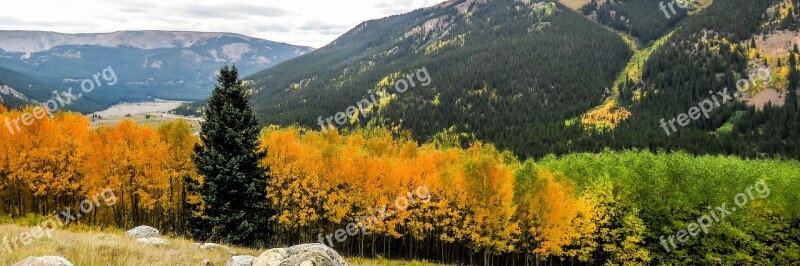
(149, 64)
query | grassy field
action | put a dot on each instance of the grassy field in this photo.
(154, 120)
(144, 113)
(111, 247)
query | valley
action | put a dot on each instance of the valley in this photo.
(151, 64)
(152, 113)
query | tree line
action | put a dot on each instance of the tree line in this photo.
(55, 163)
(486, 206)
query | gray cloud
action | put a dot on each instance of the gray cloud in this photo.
(316, 25)
(303, 22)
(396, 7)
(233, 11)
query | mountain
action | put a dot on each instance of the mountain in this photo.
(18, 90)
(148, 64)
(539, 78)
(498, 70)
(10, 96)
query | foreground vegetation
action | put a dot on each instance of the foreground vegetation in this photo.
(111, 247)
(100, 247)
(485, 207)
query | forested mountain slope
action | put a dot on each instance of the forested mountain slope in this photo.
(18, 90)
(499, 71)
(710, 52)
(527, 76)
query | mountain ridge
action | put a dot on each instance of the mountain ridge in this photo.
(112, 39)
(493, 63)
(518, 73)
(173, 65)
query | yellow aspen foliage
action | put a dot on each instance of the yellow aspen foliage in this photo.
(131, 159)
(554, 216)
(179, 142)
(295, 189)
(485, 188)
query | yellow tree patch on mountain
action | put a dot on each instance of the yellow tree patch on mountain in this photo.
(607, 117)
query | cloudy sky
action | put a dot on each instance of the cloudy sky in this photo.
(304, 22)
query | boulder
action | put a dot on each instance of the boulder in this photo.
(304, 254)
(153, 241)
(44, 261)
(143, 231)
(272, 257)
(243, 260)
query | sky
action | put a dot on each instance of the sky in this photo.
(312, 23)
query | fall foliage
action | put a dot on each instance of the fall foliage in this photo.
(55, 163)
(486, 206)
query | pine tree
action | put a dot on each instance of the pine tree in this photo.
(794, 74)
(234, 185)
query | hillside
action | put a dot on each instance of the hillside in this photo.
(18, 90)
(500, 71)
(149, 64)
(538, 78)
(711, 52)
(11, 96)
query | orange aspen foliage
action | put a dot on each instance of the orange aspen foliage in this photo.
(555, 216)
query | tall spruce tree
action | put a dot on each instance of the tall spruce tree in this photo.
(234, 189)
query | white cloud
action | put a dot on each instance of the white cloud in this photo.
(302, 22)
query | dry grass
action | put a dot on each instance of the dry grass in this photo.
(111, 247)
(385, 262)
(94, 248)
(154, 121)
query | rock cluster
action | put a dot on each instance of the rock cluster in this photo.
(300, 255)
(244, 260)
(147, 235)
(304, 254)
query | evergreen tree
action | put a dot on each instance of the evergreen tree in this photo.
(794, 75)
(234, 185)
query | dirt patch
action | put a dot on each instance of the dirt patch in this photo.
(777, 43)
(766, 96)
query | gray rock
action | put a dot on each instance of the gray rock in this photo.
(243, 260)
(272, 257)
(44, 261)
(143, 231)
(153, 241)
(206, 262)
(301, 255)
